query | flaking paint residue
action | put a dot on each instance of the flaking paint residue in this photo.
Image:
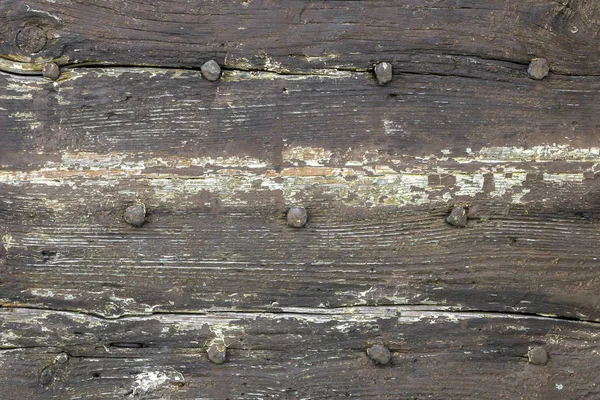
(154, 381)
(360, 181)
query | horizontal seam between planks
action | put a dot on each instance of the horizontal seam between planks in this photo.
(335, 311)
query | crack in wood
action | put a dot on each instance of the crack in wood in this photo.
(372, 310)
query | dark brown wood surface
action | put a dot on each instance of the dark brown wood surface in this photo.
(298, 119)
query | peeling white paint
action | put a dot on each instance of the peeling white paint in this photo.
(563, 177)
(42, 12)
(361, 182)
(152, 381)
(310, 156)
(392, 129)
(536, 153)
(7, 241)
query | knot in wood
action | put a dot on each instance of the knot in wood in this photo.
(46, 377)
(31, 39)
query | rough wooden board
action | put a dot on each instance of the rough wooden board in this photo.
(298, 354)
(219, 169)
(67, 246)
(142, 113)
(301, 35)
(379, 169)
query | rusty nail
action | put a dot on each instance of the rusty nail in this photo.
(217, 353)
(31, 39)
(538, 68)
(537, 356)
(211, 70)
(51, 71)
(45, 377)
(135, 215)
(297, 217)
(379, 354)
(62, 358)
(383, 73)
(458, 217)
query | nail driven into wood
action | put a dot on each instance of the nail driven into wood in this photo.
(211, 70)
(62, 358)
(379, 354)
(457, 217)
(537, 356)
(135, 215)
(51, 71)
(538, 68)
(217, 353)
(297, 217)
(383, 73)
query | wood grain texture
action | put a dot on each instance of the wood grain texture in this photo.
(221, 164)
(143, 113)
(297, 119)
(297, 354)
(302, 35)
(197, 252)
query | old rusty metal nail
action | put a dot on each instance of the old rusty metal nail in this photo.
(46, 377)
(51, 71)
(217, 353)
(135, 215)
(31, 39)
(458, 217)
(297, 217)
(379, 354)
(62, 358)
(538, 68)
(383, 73)
(211, 70)
(537, 356)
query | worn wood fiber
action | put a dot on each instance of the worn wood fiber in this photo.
(297, 119)
(304, 35)
(297, 354)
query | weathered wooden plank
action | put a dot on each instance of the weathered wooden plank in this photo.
(218, 170)
(263, 116)
(67, 246)
(298, 353)
(302, 35)
(379, 168)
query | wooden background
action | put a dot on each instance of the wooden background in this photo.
(297, 119)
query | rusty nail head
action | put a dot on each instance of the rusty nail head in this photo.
(211, 70)
(383, 73)
(458, 217)
(297, 217)
(538, 68)
(51, 71)
(135, 215)
(537, 356)
(31, 39)
(62, 358)
(217, 353)
(379, 354)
